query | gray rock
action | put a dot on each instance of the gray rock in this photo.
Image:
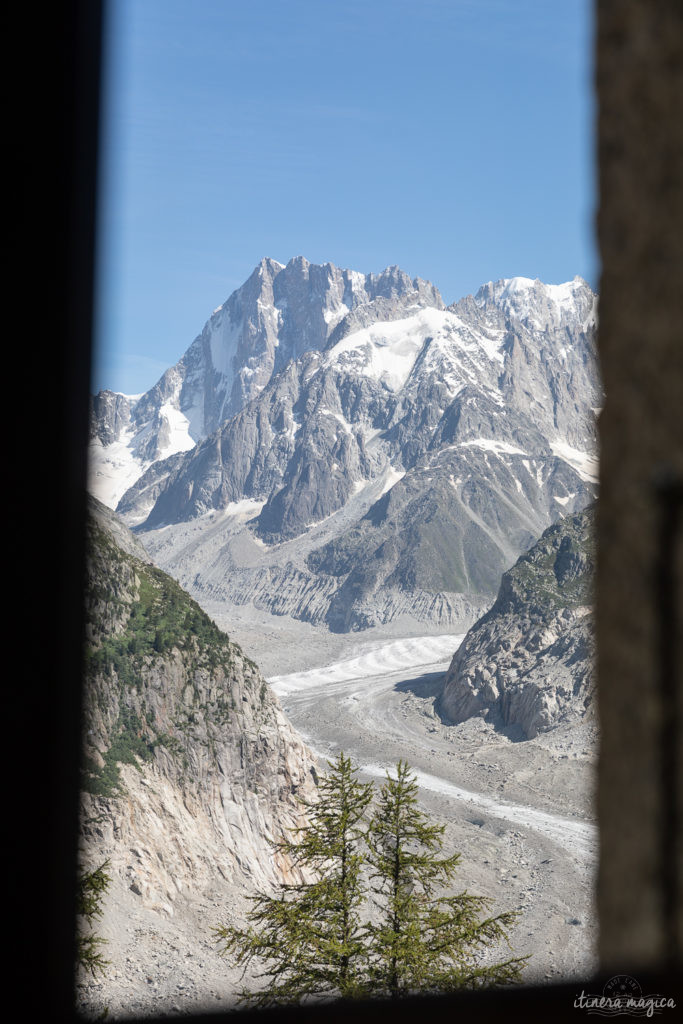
(276, 316)
(191, 766)
(528, 663)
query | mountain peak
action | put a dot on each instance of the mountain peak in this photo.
(525, 298)
(271, 264)
(283, 312)
(508, 286)
(265, 268)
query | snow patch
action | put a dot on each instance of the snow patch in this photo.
(492, 348)
(489, 445)
(387, 352)
(244, 507)
(291, 428)
(585, 464)
(393, 476)
(180, 439)
(333, 316)
(112, 470)
(563, 295)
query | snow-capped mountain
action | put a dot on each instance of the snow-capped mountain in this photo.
(279, 313)
(393, 456)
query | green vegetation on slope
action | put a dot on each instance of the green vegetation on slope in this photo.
(138, 616)
(557, 572)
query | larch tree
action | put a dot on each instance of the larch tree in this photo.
(310, 935)
(374, 920)
(92, 885)
(421, 940)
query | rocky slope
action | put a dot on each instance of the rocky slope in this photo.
(190, 765)
(527, 665)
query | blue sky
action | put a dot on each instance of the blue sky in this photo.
(451, 137)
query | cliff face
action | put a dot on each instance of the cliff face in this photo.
(528, 663)
(190, 765)
(275, 317)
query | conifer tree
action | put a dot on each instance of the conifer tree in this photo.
(92, 886)
(310, 935)
(425, 942)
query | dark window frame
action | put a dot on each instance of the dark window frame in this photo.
(56, 161)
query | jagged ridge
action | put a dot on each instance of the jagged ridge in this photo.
(437, 443)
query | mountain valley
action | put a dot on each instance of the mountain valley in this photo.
(340, 471)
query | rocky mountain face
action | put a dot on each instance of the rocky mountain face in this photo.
(395, 456)
(528, 663)
(190, 765)
(279, 313)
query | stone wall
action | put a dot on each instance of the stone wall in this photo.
(639, 77)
